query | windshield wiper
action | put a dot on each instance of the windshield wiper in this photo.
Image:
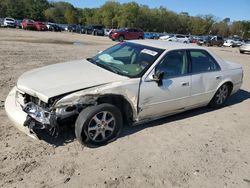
(107, 66)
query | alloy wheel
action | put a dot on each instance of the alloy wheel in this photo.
(222, 94)
(101, 126)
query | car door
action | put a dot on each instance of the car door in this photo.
(135, 34)
(130, 33)
(173, 95)
(206, 76)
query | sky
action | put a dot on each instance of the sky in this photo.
(234, 9)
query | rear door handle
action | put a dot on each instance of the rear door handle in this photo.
(185, 84)
(218, 77)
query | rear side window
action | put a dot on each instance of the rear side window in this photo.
(201, 61)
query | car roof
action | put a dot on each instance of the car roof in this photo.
(166, 45)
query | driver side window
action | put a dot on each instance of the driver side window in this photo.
(173, 64)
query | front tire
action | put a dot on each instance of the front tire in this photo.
(98, 125)
(220, 96)
(121, 38)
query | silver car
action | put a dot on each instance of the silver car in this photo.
(245, 48)
(129, 83)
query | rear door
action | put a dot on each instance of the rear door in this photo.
(206, 76)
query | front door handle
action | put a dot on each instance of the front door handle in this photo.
(218, 77)
(185, 84)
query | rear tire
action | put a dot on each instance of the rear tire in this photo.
(242, 52)
(220, 96)
(98, 125)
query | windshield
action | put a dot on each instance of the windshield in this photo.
(128, 59)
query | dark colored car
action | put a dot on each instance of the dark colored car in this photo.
(28, 24)
(40, 26)
(55, 28)
(211, 41)
(127, 34)
(19, 24)
(95, 30)
(72, 28)
(80, 29)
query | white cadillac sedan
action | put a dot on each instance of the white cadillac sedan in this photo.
(129, 83)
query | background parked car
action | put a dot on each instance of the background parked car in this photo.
(9, 22)
(28, 24)
(18, 24)
(237, 42)
(179, 38)
(194, 39)
(245, 48)
(53, 27)
(166, 36)
(127, 34)
(72, 28)
(63, 26)
(107, 31)
(40, 26)
(201, 40)
(1, 22)
(80, 29)
(150, 35)
(94, 30)
(228, 43)
(213, 41)
(49, 24)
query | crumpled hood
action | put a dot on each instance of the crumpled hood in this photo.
(57, 79)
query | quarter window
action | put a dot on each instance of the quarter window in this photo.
(202, 62)
(173, 64)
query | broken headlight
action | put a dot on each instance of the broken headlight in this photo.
(37, 113)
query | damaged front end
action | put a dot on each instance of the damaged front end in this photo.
(49, 117)
(40, 119)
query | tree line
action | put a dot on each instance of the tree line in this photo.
(115, 15)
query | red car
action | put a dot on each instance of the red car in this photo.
(28, 24)
(40, 26)
(127, 34)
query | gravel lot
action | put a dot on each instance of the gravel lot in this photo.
(198, 148)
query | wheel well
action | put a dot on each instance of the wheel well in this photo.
(121, 103)
(230, 84)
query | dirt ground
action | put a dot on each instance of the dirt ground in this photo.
(198, 148)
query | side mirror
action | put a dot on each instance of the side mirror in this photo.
(158, 77)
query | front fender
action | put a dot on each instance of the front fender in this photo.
(127, 89)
